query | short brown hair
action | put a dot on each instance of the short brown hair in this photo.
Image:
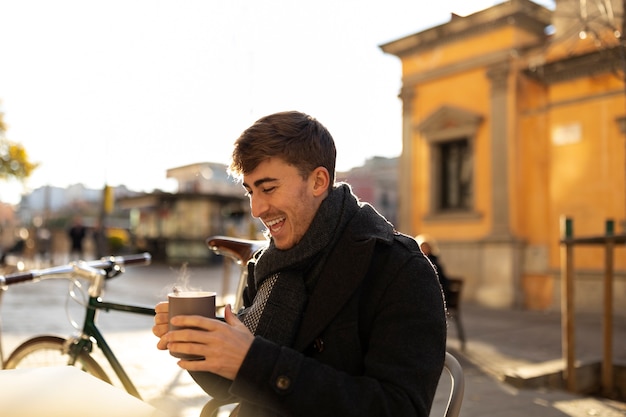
(297, 138)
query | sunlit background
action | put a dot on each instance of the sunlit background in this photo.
(118, 91)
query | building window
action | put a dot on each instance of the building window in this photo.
(455, 167)
(450, 133)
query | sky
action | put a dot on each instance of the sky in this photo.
(116, 92)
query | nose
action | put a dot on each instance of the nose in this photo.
(258, 205)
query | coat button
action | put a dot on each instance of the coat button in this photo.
(319, 345)
(283, 382)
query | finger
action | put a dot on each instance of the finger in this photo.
(162, 344)
(201, 322)
(160, 329)
(162, 307)
(161, 318)
(187, 337)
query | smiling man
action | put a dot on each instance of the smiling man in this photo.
(344, 315)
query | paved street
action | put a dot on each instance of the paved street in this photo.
(503, 344)
(498, 342)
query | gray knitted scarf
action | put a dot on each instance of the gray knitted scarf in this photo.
(284, 278)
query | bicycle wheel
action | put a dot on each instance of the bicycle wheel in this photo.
(44, 351)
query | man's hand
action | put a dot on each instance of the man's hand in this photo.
(223, 345)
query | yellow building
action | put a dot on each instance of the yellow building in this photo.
(513, 117)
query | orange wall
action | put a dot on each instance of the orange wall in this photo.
(469, 91)
(587, 178)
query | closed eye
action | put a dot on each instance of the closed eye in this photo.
(267, 190)
(259, 184)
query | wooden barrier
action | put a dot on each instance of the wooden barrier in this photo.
(609, 240)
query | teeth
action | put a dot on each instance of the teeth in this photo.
(275, 221)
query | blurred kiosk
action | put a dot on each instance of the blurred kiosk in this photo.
(65, 392)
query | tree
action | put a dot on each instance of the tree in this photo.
(14, 162)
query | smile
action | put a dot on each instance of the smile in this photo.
(275, 225)
(274, 222)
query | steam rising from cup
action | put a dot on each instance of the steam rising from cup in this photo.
(182, 282)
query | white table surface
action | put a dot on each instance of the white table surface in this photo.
(65, 392)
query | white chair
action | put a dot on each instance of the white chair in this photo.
(457, 385)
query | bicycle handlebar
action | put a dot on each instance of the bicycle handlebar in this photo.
(82, 268)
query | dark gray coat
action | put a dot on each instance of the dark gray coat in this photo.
(372, 340)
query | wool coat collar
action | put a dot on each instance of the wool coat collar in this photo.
(344, 272)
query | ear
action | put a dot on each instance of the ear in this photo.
(321, 181)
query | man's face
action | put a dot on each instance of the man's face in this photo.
(284, 201)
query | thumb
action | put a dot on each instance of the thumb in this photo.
(231, 318)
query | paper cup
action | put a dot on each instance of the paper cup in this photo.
(192, 303)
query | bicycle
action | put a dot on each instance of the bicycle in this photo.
(49, 350)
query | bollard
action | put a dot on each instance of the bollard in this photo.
(607, 322)
(567, 303)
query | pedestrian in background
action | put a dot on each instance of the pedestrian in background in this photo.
(77, 233)
(429, 247)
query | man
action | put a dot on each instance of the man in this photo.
(344, 316)
(77, 235)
